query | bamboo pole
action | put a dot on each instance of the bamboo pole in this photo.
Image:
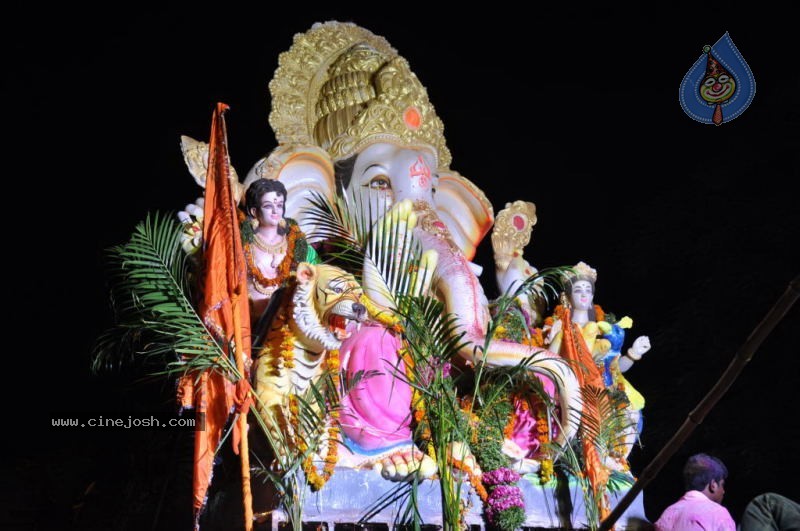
(698, 414)
(236, 301)
(244, 449)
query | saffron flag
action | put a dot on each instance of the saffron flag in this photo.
(224, 310)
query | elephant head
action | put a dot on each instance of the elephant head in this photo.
(351, 118)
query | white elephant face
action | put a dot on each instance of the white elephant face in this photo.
(385, 173)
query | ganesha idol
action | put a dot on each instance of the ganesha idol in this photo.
(352, 119)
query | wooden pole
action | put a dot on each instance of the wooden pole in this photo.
(244, 449)
(698, 414)
(236, 300)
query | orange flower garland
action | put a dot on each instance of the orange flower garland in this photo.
(284, 268)
(419, 411)
(314, 478)
(287, 347)
(474, 479)
(543, 436)
(508, 431)
(599, 314)
(536, 339)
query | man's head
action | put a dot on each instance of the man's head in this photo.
(706, 474)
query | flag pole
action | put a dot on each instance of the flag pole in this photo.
(223, 302)
(244, 449)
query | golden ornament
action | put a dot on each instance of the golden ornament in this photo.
(343, 88)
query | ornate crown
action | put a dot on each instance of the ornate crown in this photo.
(342, 88)
(512, 231)
(582, 271)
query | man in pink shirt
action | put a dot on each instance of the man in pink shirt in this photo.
(699, 509)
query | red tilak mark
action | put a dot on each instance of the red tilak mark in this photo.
(421, 170)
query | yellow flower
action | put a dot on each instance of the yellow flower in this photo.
(546, 471)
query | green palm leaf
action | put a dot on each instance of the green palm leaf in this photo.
(150, 279)
(360, 235)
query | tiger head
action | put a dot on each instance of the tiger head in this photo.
(325, 301)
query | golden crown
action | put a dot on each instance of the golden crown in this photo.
(582, 271)
(342, 88)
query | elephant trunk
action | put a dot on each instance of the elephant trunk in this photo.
(464, 298)
(541, 362)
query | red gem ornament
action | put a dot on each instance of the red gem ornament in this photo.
(412, 118)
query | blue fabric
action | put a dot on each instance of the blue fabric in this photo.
(616, 337)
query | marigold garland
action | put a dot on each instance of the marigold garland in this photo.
(313, 477)
(599, 314)
(287, 347)
(418, 410)
(543, 436)
(536, 338)
(508, 431)
(474, 479)
(283, 269)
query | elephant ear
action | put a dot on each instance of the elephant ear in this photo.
(303, 170)
(463, 207)
(195, 155)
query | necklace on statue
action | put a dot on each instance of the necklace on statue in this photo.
(275, 250)
(282, 269)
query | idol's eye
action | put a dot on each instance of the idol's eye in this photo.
(708, 82)
(723, 78)
(380, 182)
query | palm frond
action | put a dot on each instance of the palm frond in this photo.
(399, 494)
(546, 285)
(432, 333)
(150, 279)
(343, 232)
(365, 239)
(605, 427)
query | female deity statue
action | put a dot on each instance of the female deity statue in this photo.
(273, 244)
(603, 337)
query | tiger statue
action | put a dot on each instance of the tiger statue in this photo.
(309, 322)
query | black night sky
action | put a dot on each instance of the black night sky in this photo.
(694, 229)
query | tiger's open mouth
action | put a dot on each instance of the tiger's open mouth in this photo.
(339, 325)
